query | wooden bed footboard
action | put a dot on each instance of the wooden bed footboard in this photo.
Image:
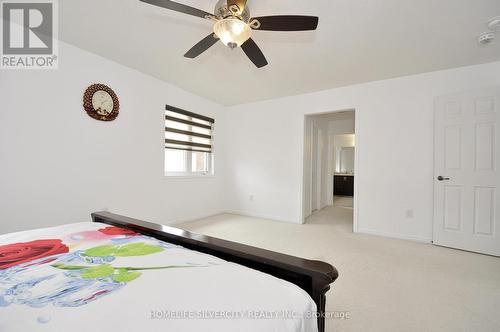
(314, 277)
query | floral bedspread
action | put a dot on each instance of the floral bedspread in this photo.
(92, 276)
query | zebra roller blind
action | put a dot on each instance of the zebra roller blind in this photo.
(187, 131)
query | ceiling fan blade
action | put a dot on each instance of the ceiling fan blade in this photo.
(254, 53)
(178, 7)
(287, 23)
(240, 3)
(202, 46)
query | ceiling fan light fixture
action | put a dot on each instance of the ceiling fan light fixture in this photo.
(234, 24)
(232, 32)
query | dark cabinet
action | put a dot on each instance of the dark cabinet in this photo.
(343, 185)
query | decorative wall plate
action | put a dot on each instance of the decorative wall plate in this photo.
(101, 103)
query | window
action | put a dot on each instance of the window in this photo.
(188, 143)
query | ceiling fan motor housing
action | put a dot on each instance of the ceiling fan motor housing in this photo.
(223, 11)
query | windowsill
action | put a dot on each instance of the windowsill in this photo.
(188, 176)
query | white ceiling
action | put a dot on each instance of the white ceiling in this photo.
(356, 41)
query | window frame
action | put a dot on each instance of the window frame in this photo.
(209, 173)
(188, 157)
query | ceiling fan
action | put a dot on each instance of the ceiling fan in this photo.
(233, 26)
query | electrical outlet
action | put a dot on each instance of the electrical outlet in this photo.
(409, 214)
(250, 198)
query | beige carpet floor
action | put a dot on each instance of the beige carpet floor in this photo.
(384, 284)
(343, 201)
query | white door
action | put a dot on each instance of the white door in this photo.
(466, 175)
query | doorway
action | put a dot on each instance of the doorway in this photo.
(329, 164)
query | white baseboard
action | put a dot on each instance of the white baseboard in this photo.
(262, 216)
(393, 235)
(274, 218)
(181, 221)
(238, 213)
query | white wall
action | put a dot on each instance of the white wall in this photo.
(394, 126)
(57, 165)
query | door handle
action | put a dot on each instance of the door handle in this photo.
(442, 178)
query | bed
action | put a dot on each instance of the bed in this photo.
(118, 273)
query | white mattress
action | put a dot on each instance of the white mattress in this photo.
(136, 283)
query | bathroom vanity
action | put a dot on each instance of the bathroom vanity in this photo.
(343, 184)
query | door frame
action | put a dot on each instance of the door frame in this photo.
(306, 174)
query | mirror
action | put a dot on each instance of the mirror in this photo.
(347, 159)
(344, 151)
